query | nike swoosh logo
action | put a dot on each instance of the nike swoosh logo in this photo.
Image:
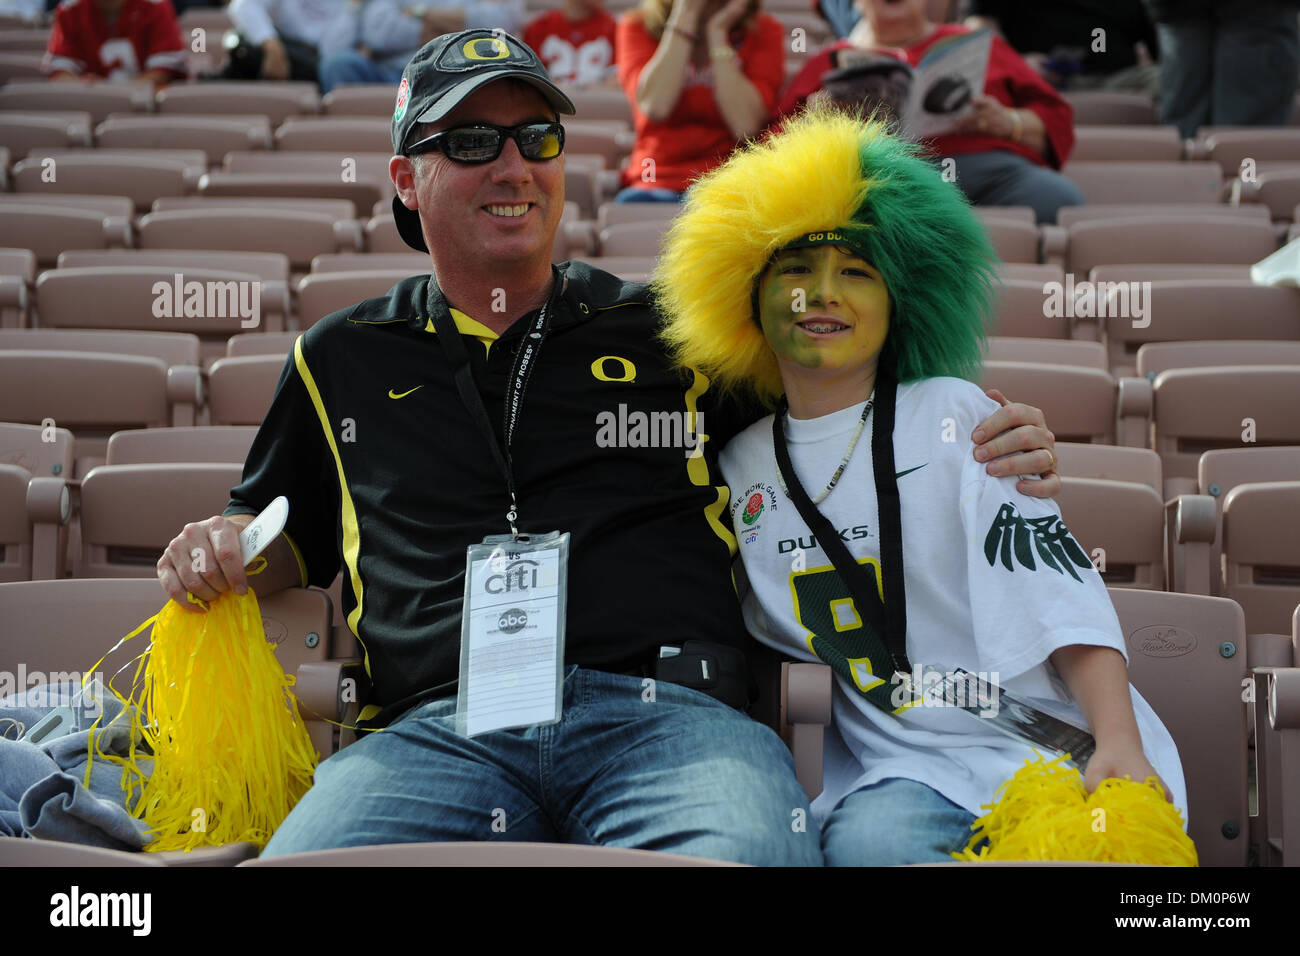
(392, 394)
(909, 471)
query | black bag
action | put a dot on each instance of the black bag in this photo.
(244, 60)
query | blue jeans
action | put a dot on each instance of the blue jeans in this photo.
(1002, 178)
(654, 194)
(350, 66)
(683, 773)
(892, 823)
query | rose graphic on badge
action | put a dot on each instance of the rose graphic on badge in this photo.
(753, 508)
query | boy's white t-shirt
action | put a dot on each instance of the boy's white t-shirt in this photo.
(994, 584)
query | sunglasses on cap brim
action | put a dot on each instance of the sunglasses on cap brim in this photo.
(483, 142)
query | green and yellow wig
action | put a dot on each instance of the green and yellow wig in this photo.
(827, 169)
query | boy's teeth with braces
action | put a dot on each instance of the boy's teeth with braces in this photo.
(822, 326)
(518, 210)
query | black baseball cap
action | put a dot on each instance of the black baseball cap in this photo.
(446, 70)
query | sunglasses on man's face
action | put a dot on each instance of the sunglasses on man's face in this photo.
(482, 142)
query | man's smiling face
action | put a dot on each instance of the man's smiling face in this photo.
(503, 213)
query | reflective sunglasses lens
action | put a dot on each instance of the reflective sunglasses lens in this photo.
(473, 145)
(541, 141)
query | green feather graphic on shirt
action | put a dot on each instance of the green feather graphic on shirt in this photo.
(1014, 539)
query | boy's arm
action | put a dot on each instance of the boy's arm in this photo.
(1098, 679)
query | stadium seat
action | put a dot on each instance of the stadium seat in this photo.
(1261, 562)
(1277, 752)
(628, 268)
(1156, 271)
(1155, 357)
(1102, 108)
(1121, 526)
(609, 138)
(1069, 215)
(1173, 239)
(1022, 214)
(412, 262)
(1230, 148)
(370, 99)
(632, 238)
(30, 526)
(1126, 143)
(23, 132)
(616, 213)
(17, 272)
(1046, 352)
(601, 104)
(321, 293)
(153, 446)
(362, 193)
(343, 134)
(260, 343)
(1196, 552)
(297, 235)
(275, 101)
(1252, 405)
(1179, 660)
(24, 40)
(1013, 241)
(1184, 310)
(1019, 311)
(338, 209)
(46, 228)
(99, 99)
(1039, 272)
(1278, 191)
(1110, 463)
(215, 135)
(1079, 402)
(1153, 182)
(141, 176)
(382, 236)
(240, 390)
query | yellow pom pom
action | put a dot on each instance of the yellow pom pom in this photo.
(1044, 813)
(230, 755)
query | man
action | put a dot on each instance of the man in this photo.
(394, 463)
(370, 41)
(115, 40)
(576, 43)
(278, 39)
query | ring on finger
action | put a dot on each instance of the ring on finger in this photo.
(1052, 460)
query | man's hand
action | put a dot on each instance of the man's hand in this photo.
(275, 63)
(1013, 428)
(988, 118)
(204, 559)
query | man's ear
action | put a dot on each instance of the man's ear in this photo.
(401, 169)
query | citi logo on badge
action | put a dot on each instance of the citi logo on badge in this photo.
(518, 575)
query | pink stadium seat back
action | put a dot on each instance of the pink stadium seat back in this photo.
(1099, 108)
(1261, 562)
(1046, 352)
(410, 262)
(214, 135)
(1020, 312)
(1156, 357)
(1127, 143)
(47, 230)
(297, 235)
(1069, 215)
(23, 132)
(204, 443)
(346, 134)
(382, 236)
(260, 343)
(599, 104)
(1277, 191)
(1154, 272)
(338, 209)
(615, 213)
(1173, 239)
(319, 294)
(1110, 463)
(1147, 182)
(1121, 527)
(633, 238)
(42, 450)
(1013, 241)
(1079, 402)
(99, 100)
(372, 100)
(142, 176)
(275, 101)
(362, 193)
(240, 389)
(1230, 148)
(1187, 659)
(1253, 406)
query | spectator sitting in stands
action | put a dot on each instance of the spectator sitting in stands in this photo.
(370, 41)
(576, 43)
(701, 75)
(115, 40)
(278, 38)
(1008, 149)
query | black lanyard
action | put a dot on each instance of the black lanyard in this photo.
(889, 620)
(521, 371)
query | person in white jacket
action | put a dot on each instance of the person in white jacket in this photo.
(280, 37)
(830, 265)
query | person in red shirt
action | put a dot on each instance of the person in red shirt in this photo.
(576, 43)
(1009, 148)
(115, 40)
(701, 76)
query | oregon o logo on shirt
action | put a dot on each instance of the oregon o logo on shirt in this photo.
(496, 49)
(598, 369)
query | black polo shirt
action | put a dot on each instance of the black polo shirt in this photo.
(388, 477)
